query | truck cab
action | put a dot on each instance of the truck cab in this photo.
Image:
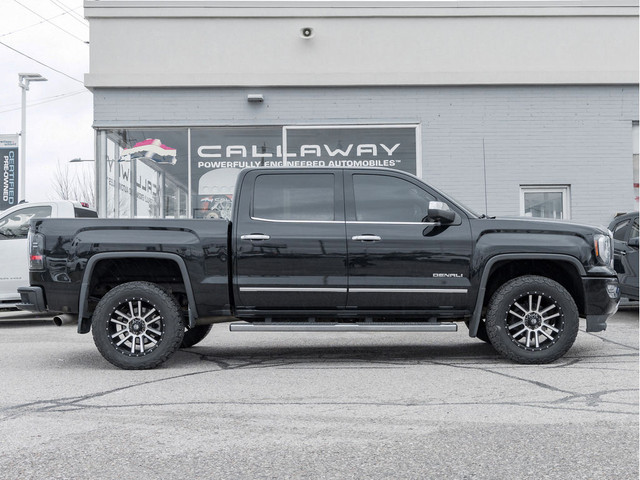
(356, 242)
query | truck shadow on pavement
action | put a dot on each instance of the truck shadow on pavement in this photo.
(318, 355)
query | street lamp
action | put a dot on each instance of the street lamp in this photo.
(78, 160)
(24, 80)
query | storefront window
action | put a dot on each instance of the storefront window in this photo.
(147, 173)
(218, 155)
(181, 172)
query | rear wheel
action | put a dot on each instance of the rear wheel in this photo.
(195, 335)
(532, 319)
(137, 325)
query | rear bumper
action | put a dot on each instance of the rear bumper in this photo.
(601, 298)
(31, 299)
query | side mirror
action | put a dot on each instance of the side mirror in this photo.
(440, 212)
(633, 242)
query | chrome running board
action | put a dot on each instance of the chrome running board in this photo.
(343, 327)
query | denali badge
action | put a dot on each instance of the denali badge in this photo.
(448, 275)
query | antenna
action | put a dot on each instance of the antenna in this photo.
(484, 165)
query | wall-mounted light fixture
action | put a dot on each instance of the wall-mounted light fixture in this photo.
(306, 32)
(255, 98)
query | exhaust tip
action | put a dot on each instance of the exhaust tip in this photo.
(64, 319)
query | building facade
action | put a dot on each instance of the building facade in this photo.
(514, 108)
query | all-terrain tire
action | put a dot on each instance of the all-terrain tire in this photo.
(532, 319)
(137, 325)
(195, 335)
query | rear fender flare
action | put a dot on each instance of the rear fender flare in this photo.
(84, 323)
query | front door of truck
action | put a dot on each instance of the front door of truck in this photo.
(289, 241)
(397, 261)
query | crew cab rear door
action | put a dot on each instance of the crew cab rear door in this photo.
(397, 261)
(289, 241)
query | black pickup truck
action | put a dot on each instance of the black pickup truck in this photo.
(320, 249)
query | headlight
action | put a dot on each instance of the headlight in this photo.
(602, 245)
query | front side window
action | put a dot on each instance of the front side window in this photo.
(545, 201)
(383, 198)
(16, 224)
(294, 197)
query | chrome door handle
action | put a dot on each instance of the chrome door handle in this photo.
(366, 238)
(255, 236)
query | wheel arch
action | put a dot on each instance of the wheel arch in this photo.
(564, 269)
(84, 318)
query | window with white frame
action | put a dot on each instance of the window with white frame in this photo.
(545, 201)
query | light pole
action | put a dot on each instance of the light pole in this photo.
(24, 79)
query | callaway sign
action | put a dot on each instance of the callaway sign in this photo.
(368, 149)
(218, 154)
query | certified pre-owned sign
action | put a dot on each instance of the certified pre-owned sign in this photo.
(9, 169)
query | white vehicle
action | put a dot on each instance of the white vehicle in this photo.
(14, 227)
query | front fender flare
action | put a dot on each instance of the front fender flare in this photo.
(477, 312)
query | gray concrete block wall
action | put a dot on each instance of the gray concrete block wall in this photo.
(533, 135)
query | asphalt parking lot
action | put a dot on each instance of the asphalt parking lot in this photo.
(280, 405)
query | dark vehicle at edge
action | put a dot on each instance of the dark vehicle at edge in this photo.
(322, 249)
(625, 250)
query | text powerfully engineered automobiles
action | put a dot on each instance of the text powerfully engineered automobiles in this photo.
(324, 250)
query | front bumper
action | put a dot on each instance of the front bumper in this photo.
(31, 299)
(601, 299)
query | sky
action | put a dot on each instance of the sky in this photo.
(59, 111)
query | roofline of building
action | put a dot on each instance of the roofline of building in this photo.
(333, 8)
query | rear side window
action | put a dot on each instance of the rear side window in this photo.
(294, 197)
(16, 224)
(84, 213)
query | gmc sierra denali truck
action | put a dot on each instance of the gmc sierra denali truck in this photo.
(324, 249)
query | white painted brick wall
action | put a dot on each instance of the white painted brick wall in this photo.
(575, 135)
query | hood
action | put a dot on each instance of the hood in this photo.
(530, 224)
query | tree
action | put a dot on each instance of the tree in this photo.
(79, 185)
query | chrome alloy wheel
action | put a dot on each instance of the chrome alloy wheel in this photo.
(534, 321)
(135, 328)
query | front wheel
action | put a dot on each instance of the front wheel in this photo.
(532, 319)
(137, 325)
